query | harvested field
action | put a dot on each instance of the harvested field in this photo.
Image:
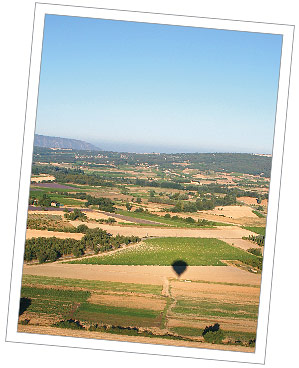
(243, 244)
(41, 178)
(227, 232)
(219, 292)
(152, 275)
(96, 215)
(234, 212)
(248, 200)
(32, 233)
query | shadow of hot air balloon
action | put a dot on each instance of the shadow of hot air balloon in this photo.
(179, 267)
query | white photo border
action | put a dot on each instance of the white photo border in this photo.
(278, 144)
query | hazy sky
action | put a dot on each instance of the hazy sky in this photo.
(145, 87)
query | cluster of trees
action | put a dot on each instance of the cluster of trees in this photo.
(213, 334)
(97, 240)
(75, 215)
(227, 162)
(203, 204)
(156, 184)
(76, 176)
(162, 200)
(190, 220)
(50, 249)
(258, 239)
(255, 251)
(43, 201)
(105, 204)
(83, 179)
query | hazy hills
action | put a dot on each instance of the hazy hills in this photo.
(58, 142)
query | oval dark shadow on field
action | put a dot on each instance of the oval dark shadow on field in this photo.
(179, 267)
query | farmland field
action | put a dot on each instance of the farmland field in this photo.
(104, 235)
(164, 251)
(98, 306)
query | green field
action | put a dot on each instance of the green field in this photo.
(256, 229)
(52, 301)
(258, 214)
(96, 313)
(201, 307)
(94, 285)
(164, 251)
(60, 198)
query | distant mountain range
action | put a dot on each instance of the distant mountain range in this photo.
(67, 143)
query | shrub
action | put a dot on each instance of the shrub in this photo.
(213, 334)
(190, 220)
(82, 228)
(42, 256)
(75, 215)
(255, 251)
(70, 323)
(214, 337)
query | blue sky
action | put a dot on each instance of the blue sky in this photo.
(138, 87)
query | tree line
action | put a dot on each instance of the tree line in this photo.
(50, 249)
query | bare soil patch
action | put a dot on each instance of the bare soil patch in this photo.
(32, 233)
(41, 178)
(95, 215)
(227, 293)
(229, 232)
(234, 212)
(243, 244)
(153, 275)
(248, 200)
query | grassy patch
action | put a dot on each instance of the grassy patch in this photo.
(258, 214)
(202, 307)
(93, 285)
(88, 308)
(111, 315)
(188, 331)
(256, 229)
(164, 251)
(48, 222)
(52, 301)
(55, 294)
